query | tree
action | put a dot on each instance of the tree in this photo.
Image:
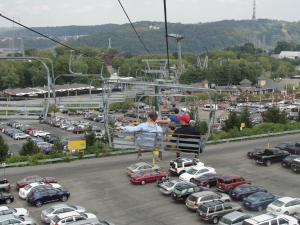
(246, 118)
(232, 121)
(4, 149)
(53, 108)
(38, 76)
(274, 115)
(29, 148)
(89, 137)
(57, 147)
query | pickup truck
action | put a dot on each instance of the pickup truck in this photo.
(269, 156)
(295, 149)
(4, 185)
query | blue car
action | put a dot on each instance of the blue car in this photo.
(259, 200)
(244, 190)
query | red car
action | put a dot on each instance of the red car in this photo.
(147, 176)
(27, 131)
(35, 178)
(78, 130)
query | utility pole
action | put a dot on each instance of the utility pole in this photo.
(254, 24)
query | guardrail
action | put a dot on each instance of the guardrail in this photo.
(129, 151)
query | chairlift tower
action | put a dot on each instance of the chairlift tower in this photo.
(178, 39)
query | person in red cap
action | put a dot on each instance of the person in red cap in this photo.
(187, 129)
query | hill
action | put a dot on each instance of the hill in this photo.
(213, 35)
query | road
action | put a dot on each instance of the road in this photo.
(102, 185)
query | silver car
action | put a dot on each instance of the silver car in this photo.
(5, 210)
(20, 220)
(141, 166)
(198, 198)
(91, 221)
(52, 211)
(235, 218)
(168, 186)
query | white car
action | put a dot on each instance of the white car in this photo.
(291, 107)
(196, 171)
(23, 192)
(19, 136)
(40, 133)
(5, 210)
(70, 217)
(284, 205)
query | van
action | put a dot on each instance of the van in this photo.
(212, 108)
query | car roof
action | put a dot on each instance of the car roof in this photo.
(3, 208)
(4, 217)
(87, 221)
(260, 193)
(262, 217)
(141, 164)
(233, 215)
(245, 185)
(67, 214)
(58, 206)
(203, 193)
(213, 203)
(185, 186)
(229, 176)
(286, 199)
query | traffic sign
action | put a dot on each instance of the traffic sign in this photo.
(77, 145)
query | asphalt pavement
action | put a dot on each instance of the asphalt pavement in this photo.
(102, 185)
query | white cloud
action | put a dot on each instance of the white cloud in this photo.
(231, 1)
(83, 10)
(66, 5)
(36, 9)
(107, 6)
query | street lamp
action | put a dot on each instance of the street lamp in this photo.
(3, 166)
(277, 80)
(119, 71)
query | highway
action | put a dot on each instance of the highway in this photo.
(102, 185)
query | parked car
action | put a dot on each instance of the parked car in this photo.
(208, 180)
(213, 211)
(19, 136)
(4, 185)
(78, 130)
(70, 217)
(259, 201)
(234, 218)
(167, 187)
(23, 192)
(270, 156)
(34, 178)
(284, 205)
(196, 171)
(140, 166)
(182, 191)
(244, 190)
(284, 145)
(21, 220)
(287, 161)
(270, 219)
(39, 133)
(5, 210)
(180, 166)
(255, 150)
(294, 149)
(54, 210)
(196, 199)
(295, 165)
(227, 182)
(38, 197)
(147, 176)
(6, 198)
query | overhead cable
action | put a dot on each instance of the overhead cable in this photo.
(134, 28)
(48, 37)
(166, 29)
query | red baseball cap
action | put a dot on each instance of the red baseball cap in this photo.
(186, 118)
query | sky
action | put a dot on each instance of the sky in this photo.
(41, 13)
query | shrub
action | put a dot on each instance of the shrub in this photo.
(29, 148)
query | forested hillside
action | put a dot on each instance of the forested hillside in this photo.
(214, 35)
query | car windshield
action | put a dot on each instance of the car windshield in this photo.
(238, 189)
(224, 181)
(203, 208)
(203, 177)
(278, 203)
(176, 191)
(253, 198)
(55, 219)
(27, 187)
(291, 157)
(192, 171)
(73, 207)
(134, 166)
(139, 174)
(281, 145)
(19, 218)
(49, 210)
(225, 220)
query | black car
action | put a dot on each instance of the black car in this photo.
(182, 191)
(284, 145)
(6, 197)
(207, 180)
(255, 150)
(244, 190)
(287, 161)
(38, 196)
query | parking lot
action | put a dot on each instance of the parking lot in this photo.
(102, 185)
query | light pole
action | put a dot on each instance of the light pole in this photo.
(3, 166)
(277, 80)
(119, 71)
(136, 72)
(68, 89)
(128, 72)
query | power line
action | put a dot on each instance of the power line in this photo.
(166, 29)
(134, 28)
(49, 38)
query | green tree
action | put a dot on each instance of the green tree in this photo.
(89, 137)
(57, 147)
(53, 108)
(274, 115)
(29, 148)
(233, 121)
(4, 149)
(246, 118)
(38, 76)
